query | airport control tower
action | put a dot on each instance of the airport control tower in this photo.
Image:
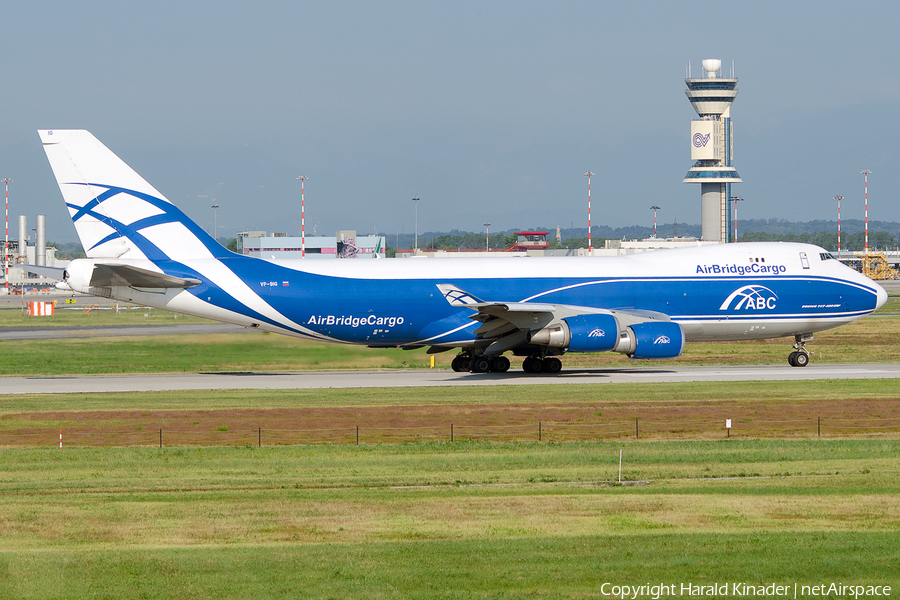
(712, 148)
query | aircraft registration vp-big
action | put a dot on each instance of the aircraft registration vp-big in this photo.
(141, 248)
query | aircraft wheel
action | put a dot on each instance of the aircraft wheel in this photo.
(500, 364)
(461, 364)
(552, 365)
(801, 360)
(532, 365)
(792, 359)
(481, 364)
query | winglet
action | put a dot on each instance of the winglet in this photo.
(457, 297)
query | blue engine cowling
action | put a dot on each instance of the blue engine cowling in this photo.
(657, 340)
(592, 333)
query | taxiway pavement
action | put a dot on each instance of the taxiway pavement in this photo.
(434, 377)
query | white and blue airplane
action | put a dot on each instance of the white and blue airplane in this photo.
(142, 249)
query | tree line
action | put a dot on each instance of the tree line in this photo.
(878, 240)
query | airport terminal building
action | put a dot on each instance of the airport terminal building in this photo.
(344, 244)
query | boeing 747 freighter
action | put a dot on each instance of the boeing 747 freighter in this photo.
(141, 248)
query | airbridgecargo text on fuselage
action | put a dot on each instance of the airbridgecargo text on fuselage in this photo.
(754, 269)
(351, 321)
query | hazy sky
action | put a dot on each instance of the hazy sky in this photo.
(487, 111)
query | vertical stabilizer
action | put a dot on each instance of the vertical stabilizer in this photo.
(116, 213)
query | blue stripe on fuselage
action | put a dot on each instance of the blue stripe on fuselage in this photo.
(400, 310)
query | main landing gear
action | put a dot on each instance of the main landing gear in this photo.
(534, 364)
(800, 356)
(480, 364)
(465, 363)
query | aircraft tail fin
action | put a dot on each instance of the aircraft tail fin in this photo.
(116, 213)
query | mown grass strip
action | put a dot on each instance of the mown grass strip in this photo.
(648, 393)
(549, 567)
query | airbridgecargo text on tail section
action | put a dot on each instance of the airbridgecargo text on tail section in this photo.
(351, 321)
(754, 269)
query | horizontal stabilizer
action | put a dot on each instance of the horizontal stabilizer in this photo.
(106, 275)
(51, 272)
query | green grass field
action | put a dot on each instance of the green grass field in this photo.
(445, 520)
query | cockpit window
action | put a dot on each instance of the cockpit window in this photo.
(826, 256)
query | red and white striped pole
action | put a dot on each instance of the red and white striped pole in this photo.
(302, 178)
(6, 243)
(589, 174)
(60, 439)
(865, 173)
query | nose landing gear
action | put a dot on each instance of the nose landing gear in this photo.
(800, 356)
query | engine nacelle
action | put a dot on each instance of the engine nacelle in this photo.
(661, 339)
(592, 333)
(582, 333)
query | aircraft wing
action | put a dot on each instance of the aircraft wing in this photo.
(506, 325)
(113, 275)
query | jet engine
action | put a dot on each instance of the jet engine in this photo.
(582, 333)
(601, 333)
(660, 339)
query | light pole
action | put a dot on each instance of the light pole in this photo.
(865, 173)
(736, 199)
(487, 239)
(654, 208)
(589, 174)
(302, 178)
(215, 207)
(6, 243)
(416, 204)
(839, 198)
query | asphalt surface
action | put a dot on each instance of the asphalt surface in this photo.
(58, 333)
(432, 378)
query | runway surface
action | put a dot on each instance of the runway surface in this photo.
(59, 333)
(431, 378)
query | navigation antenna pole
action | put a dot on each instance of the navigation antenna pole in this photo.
(865, 173)
(589, 174)
(6, 243)
(654, 208)
(487, 239)
(302, 178)
(416, 204)
(839, 198)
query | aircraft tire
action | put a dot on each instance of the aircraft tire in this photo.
(500, 364)
(461, 364)
(801, 360)
(792, 359)
(552, 365)
(532, 365)
(481, 364)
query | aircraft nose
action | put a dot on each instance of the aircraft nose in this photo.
(881, 297)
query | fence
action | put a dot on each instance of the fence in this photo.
(539, 431)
